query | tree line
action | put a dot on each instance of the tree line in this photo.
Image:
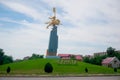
(36, 56)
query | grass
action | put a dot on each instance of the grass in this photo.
(36, 66)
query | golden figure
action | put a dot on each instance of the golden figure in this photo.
(53, 20)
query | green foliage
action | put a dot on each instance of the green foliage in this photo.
(95, 60)
(115, 69)
(8, 69)
(72, 57)
(48, 68)
(1, 56)
(110, 51)
(86, 59)
(117, 54)
(4, 59)
(7, 59)
(36, 56)
(1, 52)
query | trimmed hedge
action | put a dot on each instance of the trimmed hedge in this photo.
(48, 68)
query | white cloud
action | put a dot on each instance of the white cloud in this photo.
(25, 41)
(87, 26)
(24, 9)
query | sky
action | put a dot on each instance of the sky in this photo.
(87, 26)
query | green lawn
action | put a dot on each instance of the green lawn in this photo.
(36, 66)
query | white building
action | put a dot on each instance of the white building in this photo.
(111, 62)
(103, 53)
(100, 53)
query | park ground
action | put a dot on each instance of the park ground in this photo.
(35, 67)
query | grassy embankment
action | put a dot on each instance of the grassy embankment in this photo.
(36, 66)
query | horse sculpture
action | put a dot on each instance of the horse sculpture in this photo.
(53, 20)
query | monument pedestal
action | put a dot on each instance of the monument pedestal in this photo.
(53, 57)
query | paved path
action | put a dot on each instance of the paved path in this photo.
(62, 78)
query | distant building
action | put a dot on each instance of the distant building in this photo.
(26, 58)
(68, 56)
(78, 57)
(17, 60)
(89, 56)
(100, 53)
(103, 53)
(118, 51)
(111, 62)
(64, 56)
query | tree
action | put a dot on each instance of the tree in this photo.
(48, 68)
(1, 52)
(8, 69)
(41, 56)
(72, 57)
(7, 59)
(95, 60)
(36, 56)
(110, 51)
(1, 56)
(4, 59)
(118, 54)
(86, 59)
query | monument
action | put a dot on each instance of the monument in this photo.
(53, 41)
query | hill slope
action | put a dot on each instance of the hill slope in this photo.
(36, 66)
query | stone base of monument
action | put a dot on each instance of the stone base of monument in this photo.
(52, 57)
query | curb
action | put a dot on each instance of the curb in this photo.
(69, 75)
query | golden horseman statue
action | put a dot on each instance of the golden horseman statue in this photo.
(53, 20)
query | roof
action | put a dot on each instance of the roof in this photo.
(107, 60)
(78, 57)
(63, 55)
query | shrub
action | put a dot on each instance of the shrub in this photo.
(48, 68)
(86, 70)
(115, 69)
(8, 69)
